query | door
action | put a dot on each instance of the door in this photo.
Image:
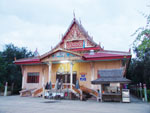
(59, 77)
(66, 77)
(74, 78)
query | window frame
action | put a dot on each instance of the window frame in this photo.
(33, 77)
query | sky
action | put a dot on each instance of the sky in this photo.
(41, 23)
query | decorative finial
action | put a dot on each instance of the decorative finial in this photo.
(129, 50)
(99, 43)
(74, 16)
(103, 47)
(36, 53)
(80, 20)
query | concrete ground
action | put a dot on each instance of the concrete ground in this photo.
(17, 104)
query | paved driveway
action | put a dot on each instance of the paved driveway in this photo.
(16, 104)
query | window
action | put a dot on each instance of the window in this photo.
(33, 77)
(111, 88)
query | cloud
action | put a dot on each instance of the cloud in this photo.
(22, 33)
(39, 24)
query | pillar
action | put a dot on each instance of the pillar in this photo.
(49, 71)
(101, 89)
(141, 95)
(92, 73)
(23, 77)
(145, 92)
(5, 91)
(71, 75)
(23, 81)
(43, 86)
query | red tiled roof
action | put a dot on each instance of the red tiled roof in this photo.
(103, 55)
(32, 60)
(87, 49)
(74, 21)
(60, 49)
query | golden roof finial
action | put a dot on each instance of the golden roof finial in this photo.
(74, 16)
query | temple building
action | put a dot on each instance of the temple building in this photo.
(76, 59)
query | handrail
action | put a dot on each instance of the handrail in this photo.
(76, 90)
(88, 90)
(37, 91)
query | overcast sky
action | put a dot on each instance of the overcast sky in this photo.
(40, 23)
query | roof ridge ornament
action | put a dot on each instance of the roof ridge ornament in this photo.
(80, 21)
(74, 16)
(36, 53)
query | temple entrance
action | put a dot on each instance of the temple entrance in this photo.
(66, 77)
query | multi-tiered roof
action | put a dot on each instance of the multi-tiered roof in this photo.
(78, 42)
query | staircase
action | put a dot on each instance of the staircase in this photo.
(26, 92)
(83, 93)
(88, 93)
(77, 92)
(31, 92)
(37, 92)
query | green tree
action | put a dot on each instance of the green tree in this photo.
(9, 71)
(139, 69)
(142, 41)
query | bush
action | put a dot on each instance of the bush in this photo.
(16, 91)
(1, 87)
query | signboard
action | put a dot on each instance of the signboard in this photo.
(83, 77)
(62, 54)
(75, 44)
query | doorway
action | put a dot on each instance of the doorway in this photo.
(66, 77)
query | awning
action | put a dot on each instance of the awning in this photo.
(110, 80)
(110, 76)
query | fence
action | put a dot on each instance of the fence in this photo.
(140, 91)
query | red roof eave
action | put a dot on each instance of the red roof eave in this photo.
(86, 49)
(33, 61)
(107, 58)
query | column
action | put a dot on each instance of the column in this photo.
(100, 89)
(43, 85)
(92, 73)
(101, 92)
(71, 76)
(23, 81)
(5, 91)
(49, 71)
(23, 76)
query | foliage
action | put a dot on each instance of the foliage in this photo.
(9, 72)
(142, 41)
(148, 95)
(1, 87)
(139, 69)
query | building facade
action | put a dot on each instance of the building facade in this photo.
(75, 58)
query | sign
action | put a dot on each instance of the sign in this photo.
(62, 54)
(83, 77)
(75, 44)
